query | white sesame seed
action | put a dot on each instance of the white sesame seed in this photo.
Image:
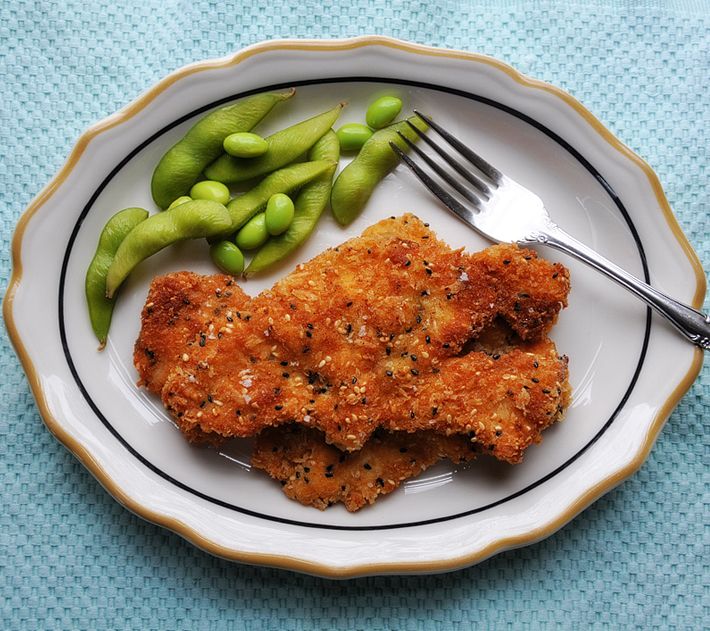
(185, 357)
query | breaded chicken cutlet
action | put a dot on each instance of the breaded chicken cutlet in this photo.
(320, 475)
(367, 336)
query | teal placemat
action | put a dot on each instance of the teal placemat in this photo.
(72, 558)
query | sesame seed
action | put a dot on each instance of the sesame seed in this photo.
(185, 357)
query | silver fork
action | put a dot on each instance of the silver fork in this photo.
(502, 210)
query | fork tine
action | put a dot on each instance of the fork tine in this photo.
(443, 174)
(460, 168)
(470, 155)
(454, 206)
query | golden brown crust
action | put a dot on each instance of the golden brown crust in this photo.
(317, 474)
(366, 336)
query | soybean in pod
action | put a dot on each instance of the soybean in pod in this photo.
(286, 180)
(353, 136)
(356, 182)
(278, 214)
(191, 220)
(210, 190)
(285, 146)
(245, 144)
(308, 207)
(253, 234)
(183, 163)
(114, 232)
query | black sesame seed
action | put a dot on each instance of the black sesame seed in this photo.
(428, 271)
(535, 380)
(278, 407)
(403, 450)
(363, 400)
(285, 375)
(407, 264)
(367, 466)
(446, 345)
(309, 334)
(388, 350)
(496, 356)
(309, 326)
(380, 482)
(284, 363)
(535, 364)
(434, 411)
(414, 371)
(425, 292)
(349, 304)
(203, 339)
(328, 475)
(506, 262)
(413, 358)
(389, 373)
(427, 339)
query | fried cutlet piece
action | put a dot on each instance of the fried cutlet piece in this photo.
(177, 315)
(180, 309)
(317, 474)
(322, 347)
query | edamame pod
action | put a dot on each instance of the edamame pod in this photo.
(114, 232)
(191, 220)
(286, 180)
(309, 206)
(356, 182)
(180, 167)
(284, 147)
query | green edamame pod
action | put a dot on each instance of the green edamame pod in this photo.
(356, 182)
(309, 206)
(284, 147)
(114, 232)
(180, 167)
(191, 220)
(285, 180)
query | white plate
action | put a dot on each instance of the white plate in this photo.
(628, 369)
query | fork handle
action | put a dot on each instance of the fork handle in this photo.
(693, 324)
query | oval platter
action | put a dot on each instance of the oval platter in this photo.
(628, 369)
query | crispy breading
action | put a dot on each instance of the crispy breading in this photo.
(317, 474)
(367, 335)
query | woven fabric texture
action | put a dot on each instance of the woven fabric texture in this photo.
(72, 558)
